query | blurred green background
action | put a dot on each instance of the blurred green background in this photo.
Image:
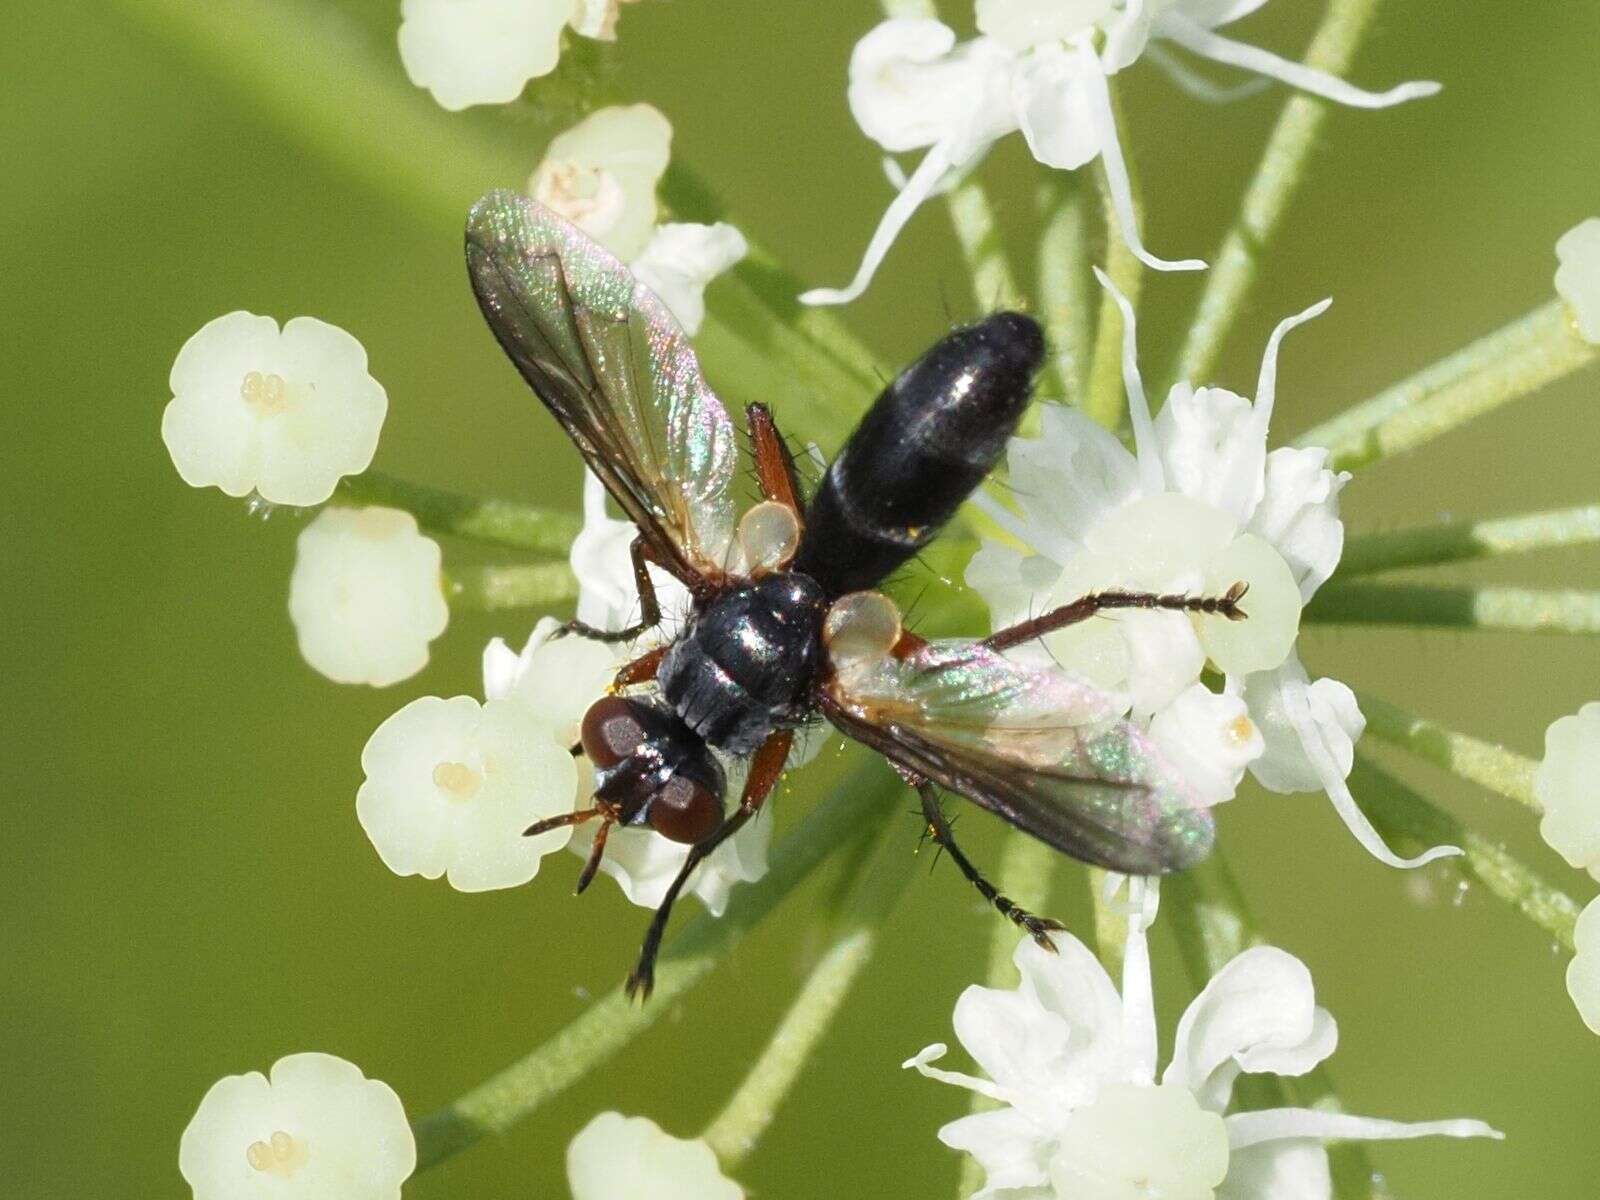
(186, 892)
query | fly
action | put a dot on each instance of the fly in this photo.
(786, 624)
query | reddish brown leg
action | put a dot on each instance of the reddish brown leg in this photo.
(774, 463)
(1081, 609)
(640, 670)
(765, 769)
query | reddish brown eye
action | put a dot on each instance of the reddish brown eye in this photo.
(611, 731)
(685, 810)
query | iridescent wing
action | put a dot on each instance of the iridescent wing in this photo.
(1034, 745)
(610, 362)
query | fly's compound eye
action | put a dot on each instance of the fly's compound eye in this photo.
(685, 810)
(611, 731)
(769, 535)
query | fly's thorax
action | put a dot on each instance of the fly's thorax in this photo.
(747, 663)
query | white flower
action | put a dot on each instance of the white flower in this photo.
(283, 413)
(1583, 972)
(1567, 786)
(470, 52)
(1073, 1066)
(603, 564)
(602, 174)
(681, 260)
(1210, 738)
(1578, 276)
(1039, 67)
(614, 1156)
(318, 1130)
(1201, 505)
(366, 596)
(451, 784)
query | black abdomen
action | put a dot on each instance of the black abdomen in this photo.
(746, 665)
(923, 446)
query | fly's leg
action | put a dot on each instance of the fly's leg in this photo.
(765, 768)
(1081, 609)
(1038, 928)
(640, 670)
(649, 607)
(774, 464)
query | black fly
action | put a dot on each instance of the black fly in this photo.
(786, 622)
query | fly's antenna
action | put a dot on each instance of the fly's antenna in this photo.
(596, 853)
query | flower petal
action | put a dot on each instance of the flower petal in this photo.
(911, 86)
(1284, 765)
(1258, 1013)
(681, 259)
(1299, 514)
(1566, 787)
(602, 173)
(470, 52)
(1051, 98)
(1210, 739)
(1176, 26)
(1583, 972)
(1013, 1152)
(615, 1156)
(1291, 1169)
(1152, 475)
(1213, 448)
(1271, 1124)
(1117, 184)
(1578, 276)
(602, 560)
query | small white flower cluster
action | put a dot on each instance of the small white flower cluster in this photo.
(602, 174)
(318, 1129)
(1200, 506)
(1072, 1065)
(1040, 67)
(470, 52)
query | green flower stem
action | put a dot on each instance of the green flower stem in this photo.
(857, 809)
(1496, 369)
(994, 282)
(1460, 541)
(1064, 281)
(1267, 198)
(1406, 819)
(1494, 767)
(1106, 399)
(879, 880)
(523, 585)
(1521, 610)
(451, 514)
(1026, 872)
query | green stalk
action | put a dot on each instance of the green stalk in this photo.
(1500, 367)
(496, 588)
(1272, 188)
(1403, 817)
(1484, 763)
(1063, 282)
(1518, 610)
(879, 880)
(1462, 541)
(1106, 399)
(994, 282)
(856, 810)
(451, 514)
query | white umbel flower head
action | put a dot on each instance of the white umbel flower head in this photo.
(1201, 504)
(282, 413)
(602, 173)
(1583, 972)
(316, 1130)
(615, 1156)
(470, 52)
(1567, 786)
(1082, 1114)
(366, 596)
(1040, 67)
(451, 785)
(1578, 276)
